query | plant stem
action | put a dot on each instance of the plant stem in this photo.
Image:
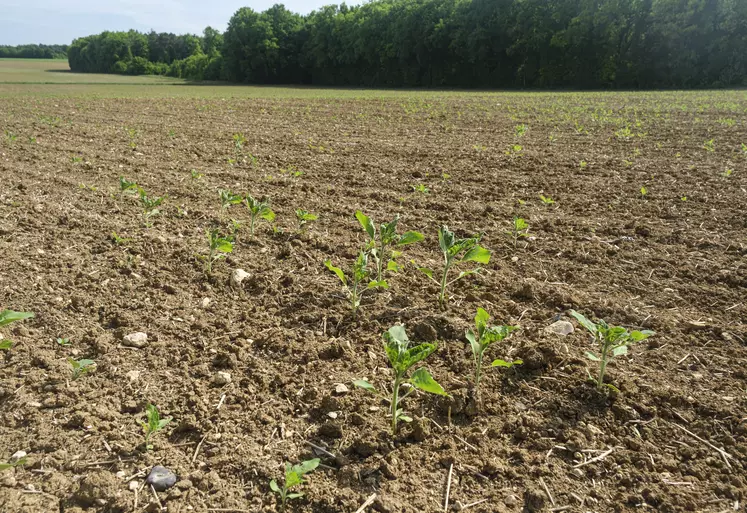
(602, 366)
(381, 261)
(395, 400)
(251, 227)
(442, 296)
(478, 364)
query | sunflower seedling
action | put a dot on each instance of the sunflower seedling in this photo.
(293, 477)
(119, 241)
(228, 199)
(258, 208)
(547, 200)
(7, 317)
(154, 423)
(456, 250)
(612, 340)
(304, 217)
(218, 247)
(482, 337)
(80, 367)
(402, 358)
(63, 342)
(358, 282)
(519, 229)
(126, 187)
(379, 244)
(150, 205)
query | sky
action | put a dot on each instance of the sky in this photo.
(61, 21)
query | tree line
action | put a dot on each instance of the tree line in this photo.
(33, 52)
(450, 43)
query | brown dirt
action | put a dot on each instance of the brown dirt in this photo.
(674, 266)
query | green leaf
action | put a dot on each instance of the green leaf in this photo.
(365, 385)
(583, 321)
(445, 238)
(268, 215)
(163, 423)
(591, 356)
(274, 486)
(426, 271)
(477, 254)
(366, 223)
(481, 319)
(418, 353)
(225, 247)
(307, 466)
(404, 418)
(294, 495)
(5, 466)
(8, 316)
(620, 350)
(410, 238)
(6, 344)
(423, 380)
(474, 344)
(504, 363)
(337, 271)
(378, 284)
(393, 266)
(637, 336)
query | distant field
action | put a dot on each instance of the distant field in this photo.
(57, 71)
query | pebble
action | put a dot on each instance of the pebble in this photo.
(134, 485)
(121, 474)
(341, 389)
(133, 375)
(138, 340)
(19, 455)
(237, 276)
(161, 478)
(561, 328)
(510, 500)
(205, 302)
(222, 378)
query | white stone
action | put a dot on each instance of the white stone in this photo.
(222, 378)
(237, 276)
(138, 340)
(205, 302)
(19, 455)
(133, 375)
(561, 328)
(341, 389)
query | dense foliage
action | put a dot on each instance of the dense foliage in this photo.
(33, 52)
(462, 43)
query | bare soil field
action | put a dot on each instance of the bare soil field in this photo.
(648, 230)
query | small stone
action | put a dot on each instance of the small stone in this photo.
(222, 378)
(237, 276)
(514, 259)
(138, 340)
(510, 500)
(121, 474)
(34, 404)
(332, 415)
(341, 389)
(134, 485)
(133, 375)
(561, 328)
(161, 478)
(205, 302)
(19, 455)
